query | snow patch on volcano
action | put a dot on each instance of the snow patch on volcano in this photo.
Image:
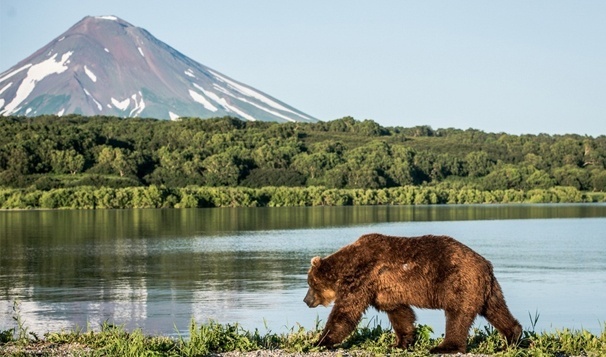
(210, 94)
(90, 74)
(122, 105)
(202, 100)
(110, 17)
(139, 105)
(5, 88)
(173, 116)
(249, 92)
(35, 74)
(99, 106)
(15, 72)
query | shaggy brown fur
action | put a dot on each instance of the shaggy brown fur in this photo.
(394, 273)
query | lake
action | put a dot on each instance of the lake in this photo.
(158, 269)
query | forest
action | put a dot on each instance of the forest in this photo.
(50, 155)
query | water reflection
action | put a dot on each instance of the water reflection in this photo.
(72, 226)
(156, 269)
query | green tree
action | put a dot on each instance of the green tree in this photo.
(336, 177)
(568, 152)
(539, 179)
(573, 176)
(67, 161)
(478, 164)
(369, 128)
(401, 171)
(429, 167)
(316, 164)
(598, 180)
(177, 168)
(20, 160)
(503, 178)
(592, 155)
(113, 160)
(260, 177)
(222, 169)
(365, 166)
(276, 153)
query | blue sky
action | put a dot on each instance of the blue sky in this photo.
(498, 66)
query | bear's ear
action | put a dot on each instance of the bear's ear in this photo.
(315, 261)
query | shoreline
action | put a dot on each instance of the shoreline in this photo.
(218, 340)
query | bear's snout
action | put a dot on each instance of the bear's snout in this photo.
(310, 298)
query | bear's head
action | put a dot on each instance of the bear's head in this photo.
(321, 287)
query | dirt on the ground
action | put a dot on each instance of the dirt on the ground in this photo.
(75, 349)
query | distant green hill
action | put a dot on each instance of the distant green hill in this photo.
(50, 152)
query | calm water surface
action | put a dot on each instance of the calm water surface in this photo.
(158, 269)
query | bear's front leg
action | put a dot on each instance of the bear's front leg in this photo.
(342, 320)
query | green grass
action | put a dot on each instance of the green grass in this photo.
(210, 338)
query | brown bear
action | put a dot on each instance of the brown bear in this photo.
(394, 273)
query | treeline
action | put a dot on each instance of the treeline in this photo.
(49, 152)
(87, 197)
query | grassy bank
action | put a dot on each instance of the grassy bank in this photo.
(213, 338)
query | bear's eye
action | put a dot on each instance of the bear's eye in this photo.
(314, 283)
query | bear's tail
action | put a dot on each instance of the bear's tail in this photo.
(495, 310)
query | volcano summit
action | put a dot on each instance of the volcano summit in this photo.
(105, 66)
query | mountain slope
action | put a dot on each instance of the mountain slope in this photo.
(105, 66)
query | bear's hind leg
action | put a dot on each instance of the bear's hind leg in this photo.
(458, 324)
(402, 320)
(499, 316)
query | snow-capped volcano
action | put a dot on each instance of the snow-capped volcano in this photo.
(105, 66)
